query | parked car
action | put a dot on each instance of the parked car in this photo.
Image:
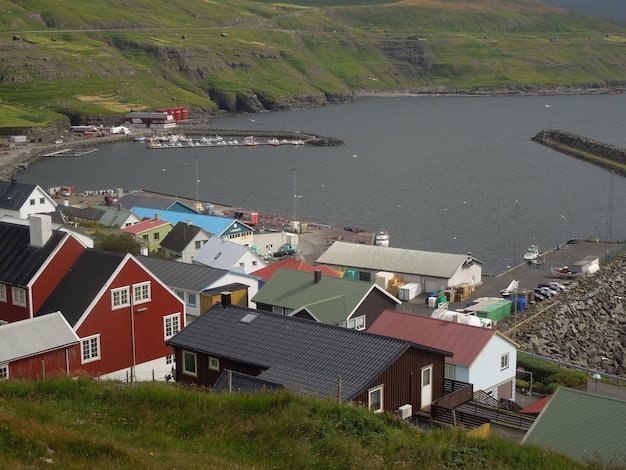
(538, 295)
(284, 253)
(556, 286)
(572, 241)
(547, 292)
(550, 288)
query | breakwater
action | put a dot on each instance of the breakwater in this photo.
(597, 153)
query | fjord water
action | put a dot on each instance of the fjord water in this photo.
(450, 174)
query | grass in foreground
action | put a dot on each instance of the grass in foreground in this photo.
(76, 424)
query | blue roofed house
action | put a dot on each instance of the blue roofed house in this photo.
(155, 203)
(324, 299)
(230, 229)
(220, 253)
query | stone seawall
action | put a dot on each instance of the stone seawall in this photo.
(585, 327)
(597, 153)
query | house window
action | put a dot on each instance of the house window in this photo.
(450, 371)
(120, 298)
(170, 359)
(426, 377)
(357, 323)
(32, 202)
(4, 371)
(198, 244)
(3, 293)
(191, 299)
(41, 200)
(254, 263)
(156, 235)
(242, 265)
(90, 349)
(375, 399)
(145, 238)
(214, 363)
(19, 296)
(189, 363)
(171, 325)
(504, 361)
(180, 294)
(141, 292)
(279, 310)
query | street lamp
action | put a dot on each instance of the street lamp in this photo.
(596, 377)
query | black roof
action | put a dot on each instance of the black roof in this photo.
(19, 260)
(179, 237)
(302, 355)
(151, 202)
(226, 288)
(243, 383)
(80, 286)
(13, 195)
(191, 277)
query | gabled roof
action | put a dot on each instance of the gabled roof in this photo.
(331, 300)
(465, 341)
(86, 213)
(180, 236)
(221, 253)
(301, 355)
(33, 336)
(185, 276)
(13, 195)
(210, 223)
(114, 217)
(81, 285)
(399, 260)
(290, 263)
(154, 202)
(582, 426)
(19, 260)
(145, 226)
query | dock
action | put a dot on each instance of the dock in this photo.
(70, 152)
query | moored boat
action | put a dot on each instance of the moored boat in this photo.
(381, 238)
(532, 253)
(273, 141)
(249, 141)
(566, 273)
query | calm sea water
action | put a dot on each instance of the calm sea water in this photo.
(450, 174)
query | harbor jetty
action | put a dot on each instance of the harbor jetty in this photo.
(606, 156)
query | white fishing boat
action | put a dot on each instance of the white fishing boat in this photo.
(381, 238)
(532, 253)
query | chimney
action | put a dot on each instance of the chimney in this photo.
(317, 275)
(40, 229)
(120, 207)
(226, 298)
(188, 222)
(157, 216)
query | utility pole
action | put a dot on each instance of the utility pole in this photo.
(293, 170)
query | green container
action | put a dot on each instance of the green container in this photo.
(351, 274)
(496, 311)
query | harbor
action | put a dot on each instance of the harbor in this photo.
(70, 152)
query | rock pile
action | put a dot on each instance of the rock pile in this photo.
(585, 327)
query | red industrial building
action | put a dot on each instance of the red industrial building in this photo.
(161, 118)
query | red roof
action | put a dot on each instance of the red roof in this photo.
(290, 263)
(144, 226)
(465, 341)
(538, 406)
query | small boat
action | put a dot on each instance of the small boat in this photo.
(249, 141)
(140, 138)
(273, 141)
(566, 273)
(532, 253)
(381, 238)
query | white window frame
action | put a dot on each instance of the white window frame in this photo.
(172, 323)
(119, 293)
(356, 323)
(170, 359)
(198, 244)
(504, 361)
(214, 363)
(449, 371)
(3, 293)
(18, 296)
(4, 371)
(93, 353)
(371, 404)
(193, 373)
(142, 292)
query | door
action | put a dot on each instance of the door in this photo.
(427, 388)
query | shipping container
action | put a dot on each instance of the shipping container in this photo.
(409, 291)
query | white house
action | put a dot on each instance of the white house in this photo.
(481, 356)
(220, 253)
(184, 242)
(21, 200)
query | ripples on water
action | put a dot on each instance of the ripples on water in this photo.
(441, 173)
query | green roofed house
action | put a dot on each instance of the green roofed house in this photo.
(583, 426)
(324, 299)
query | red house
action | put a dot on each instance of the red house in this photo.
(38, 348)
(122, 313)
(33, 260)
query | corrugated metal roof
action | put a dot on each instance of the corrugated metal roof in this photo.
(145, 226)
(290, 263)
(210, 223)
(33, 336)
(190, 277)
(583, 426)
(465, 341)
(399, 260)
(220, 253)
(302, 355)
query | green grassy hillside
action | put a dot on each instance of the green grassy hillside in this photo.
(83, 60)
(78, 424)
